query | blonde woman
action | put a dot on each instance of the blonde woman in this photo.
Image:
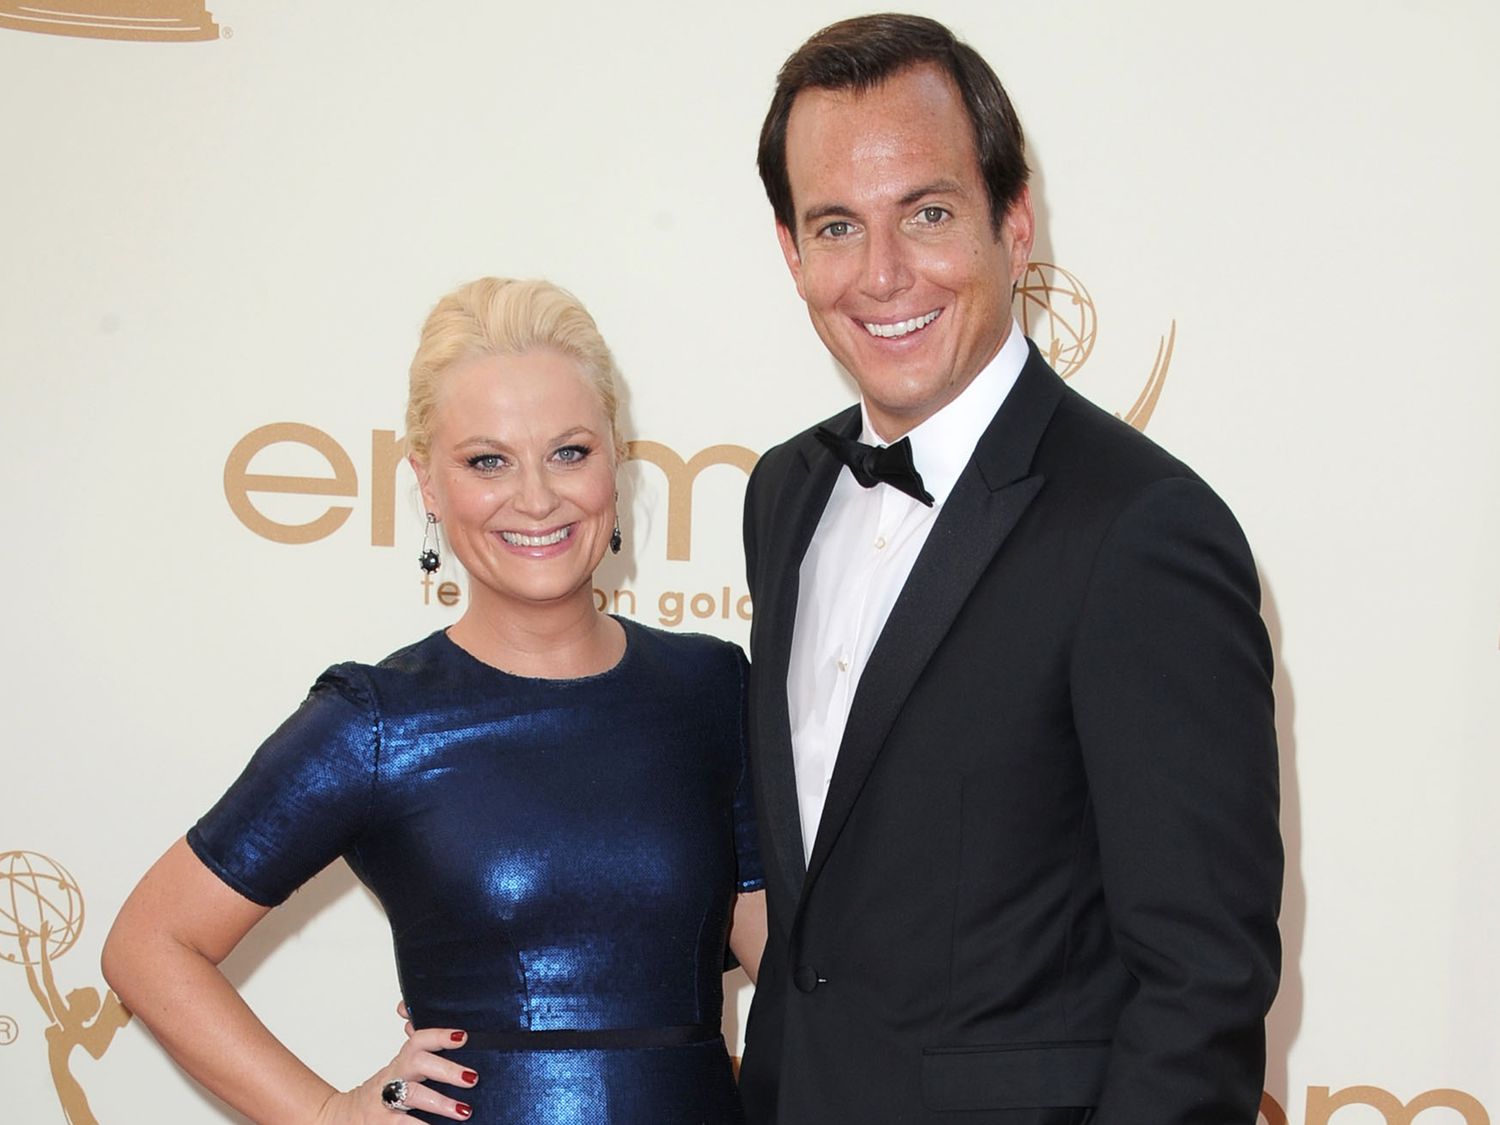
(550, 803)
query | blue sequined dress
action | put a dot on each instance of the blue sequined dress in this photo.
(557, 859)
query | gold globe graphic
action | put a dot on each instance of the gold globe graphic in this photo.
(34, 891)
(1058, 313)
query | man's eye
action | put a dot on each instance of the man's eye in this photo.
(837, 229)
(572, 454)
(934, 214)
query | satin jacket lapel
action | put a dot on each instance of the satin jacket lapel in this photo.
(993, 491)
(804, 495)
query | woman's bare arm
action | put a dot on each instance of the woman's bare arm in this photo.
(747, 931)
(162, 959)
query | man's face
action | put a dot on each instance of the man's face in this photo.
(894, 252)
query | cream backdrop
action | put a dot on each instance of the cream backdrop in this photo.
(245, 228)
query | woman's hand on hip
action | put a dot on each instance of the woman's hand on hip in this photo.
(369, 1103)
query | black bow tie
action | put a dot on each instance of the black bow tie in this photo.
(878, 464)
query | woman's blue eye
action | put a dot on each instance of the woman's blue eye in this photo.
(572, 453)
(486, 462)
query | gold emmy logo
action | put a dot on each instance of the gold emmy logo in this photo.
(680, 476)
(161, 21)
(41, 917)
(386, 454)
(1058, 313)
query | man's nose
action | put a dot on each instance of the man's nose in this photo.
(886, 270)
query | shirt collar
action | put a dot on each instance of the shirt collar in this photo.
(942, 445)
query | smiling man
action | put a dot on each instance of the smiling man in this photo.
(1011, 712)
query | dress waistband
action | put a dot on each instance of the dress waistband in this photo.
(601, 1039)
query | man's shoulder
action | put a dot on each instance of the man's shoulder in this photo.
(774, 462)
(1086, 442)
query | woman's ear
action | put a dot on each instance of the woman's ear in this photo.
(420, 469)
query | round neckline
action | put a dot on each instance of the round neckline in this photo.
(626, 626)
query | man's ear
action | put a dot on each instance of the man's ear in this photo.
(1019, 226)
(793, 259)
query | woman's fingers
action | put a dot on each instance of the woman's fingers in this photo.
(433, 1039)
(404, 1081)
(418, 1064)
(402, 1084)
(420, 1057)
(428, 1100)
(424, 1065)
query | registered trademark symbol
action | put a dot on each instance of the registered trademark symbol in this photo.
(8, 1031)
(226, 33)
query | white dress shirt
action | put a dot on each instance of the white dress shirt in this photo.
(866, 544)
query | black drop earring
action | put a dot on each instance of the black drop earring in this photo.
(429, 559)
(615, 540)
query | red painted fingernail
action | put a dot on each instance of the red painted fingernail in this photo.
(459, 1036)
(470, 1077)
(462, 1109)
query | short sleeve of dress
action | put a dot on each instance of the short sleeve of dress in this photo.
(746, 834)
(304, 797)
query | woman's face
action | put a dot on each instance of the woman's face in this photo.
(521, 473)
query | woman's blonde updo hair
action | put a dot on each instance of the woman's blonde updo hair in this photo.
(502, 316)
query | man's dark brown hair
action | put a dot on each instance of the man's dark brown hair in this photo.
(858, 54)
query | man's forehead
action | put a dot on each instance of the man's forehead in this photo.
(920, 87)
(890, 140)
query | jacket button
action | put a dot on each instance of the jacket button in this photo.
(805, 978)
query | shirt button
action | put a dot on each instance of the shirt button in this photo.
(843, 664)
(880, 543)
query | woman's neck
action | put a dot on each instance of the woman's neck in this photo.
(558, 641)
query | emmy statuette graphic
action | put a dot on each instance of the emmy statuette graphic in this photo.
(41, 918)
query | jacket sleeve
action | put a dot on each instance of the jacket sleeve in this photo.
(751, 522)
(1172, 700)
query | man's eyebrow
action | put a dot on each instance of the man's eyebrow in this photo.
(937, 187)
(826, 211)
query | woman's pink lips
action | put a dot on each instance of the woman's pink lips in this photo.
(550, 550)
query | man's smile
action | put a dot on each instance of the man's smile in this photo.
(901, 327)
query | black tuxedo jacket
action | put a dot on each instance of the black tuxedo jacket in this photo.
(1045, 884)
